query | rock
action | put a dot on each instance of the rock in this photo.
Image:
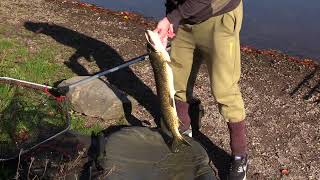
(97, 98)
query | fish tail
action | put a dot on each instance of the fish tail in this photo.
(177, 143)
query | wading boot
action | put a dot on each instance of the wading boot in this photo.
(184, 117)
(190, 114)
(238, 144)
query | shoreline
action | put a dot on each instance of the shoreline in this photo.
(150, 22)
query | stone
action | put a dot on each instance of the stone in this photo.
(98, 98)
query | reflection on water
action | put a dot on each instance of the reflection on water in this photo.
(288, 25)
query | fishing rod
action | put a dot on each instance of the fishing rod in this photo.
(98, 75)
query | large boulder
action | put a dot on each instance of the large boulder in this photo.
(97, 98)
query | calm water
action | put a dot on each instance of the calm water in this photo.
(291, 26)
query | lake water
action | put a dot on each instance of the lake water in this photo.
(291, 26)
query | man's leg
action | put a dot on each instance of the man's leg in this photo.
(226, 74)
(182, 49)
(224, 71)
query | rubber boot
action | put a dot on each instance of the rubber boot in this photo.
(238, 141)
(183, 114)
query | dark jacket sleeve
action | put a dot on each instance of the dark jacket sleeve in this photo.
(187, 9)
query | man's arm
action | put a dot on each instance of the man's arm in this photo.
(187, 9)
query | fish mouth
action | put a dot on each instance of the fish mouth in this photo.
(149, 46)
(151, 43)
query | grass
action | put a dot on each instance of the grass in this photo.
(78, 124)
(27, 113)
(18, 62)
(23, 110)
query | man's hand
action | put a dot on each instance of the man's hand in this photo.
(165, 30)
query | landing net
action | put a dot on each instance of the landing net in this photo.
(28, 118)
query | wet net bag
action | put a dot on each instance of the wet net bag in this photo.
(28, 118)
(140, 153)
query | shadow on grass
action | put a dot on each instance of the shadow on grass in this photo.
(106, 58)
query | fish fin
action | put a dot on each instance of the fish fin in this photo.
(174, 103)
(171, 100)
(177, 143)
(185, 142)
(181, 123)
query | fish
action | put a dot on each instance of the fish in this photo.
(160, 59)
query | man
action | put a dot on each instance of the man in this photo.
(213, 27)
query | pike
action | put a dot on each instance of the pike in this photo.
(160, 60)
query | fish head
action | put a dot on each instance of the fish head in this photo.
(156, 45)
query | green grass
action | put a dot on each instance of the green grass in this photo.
(18, 63)
(77, 124)
(27, 113)
(37, 68)
(7, 93)
(5, 44)
(22, 109)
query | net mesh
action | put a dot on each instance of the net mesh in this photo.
(28, 118)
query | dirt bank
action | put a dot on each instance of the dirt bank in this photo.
(281, 95)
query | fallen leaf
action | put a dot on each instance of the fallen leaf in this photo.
(284, 171)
